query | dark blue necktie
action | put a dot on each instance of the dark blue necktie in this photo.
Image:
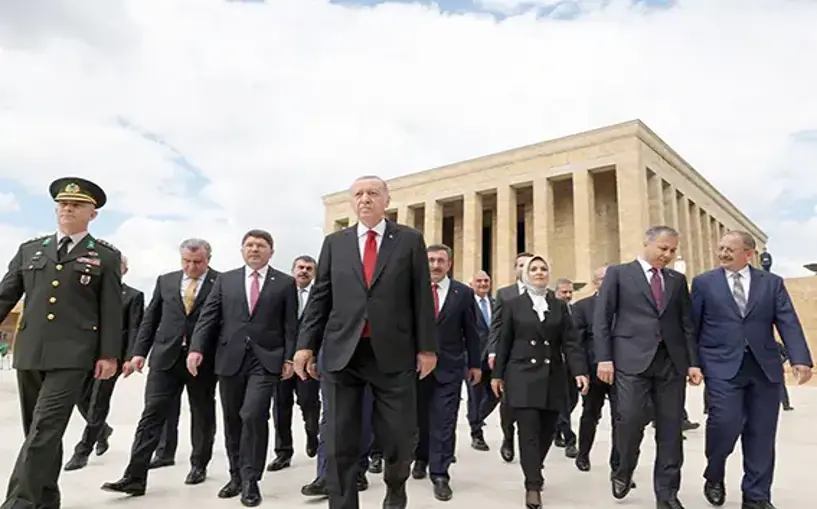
(483, 306)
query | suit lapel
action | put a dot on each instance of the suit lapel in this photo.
(269, 282)
(723, 287)
(206, 285)
(82, 248)
(351, 246)
(450, 297)
(755, 289)
(386, 249)
(50, 247)
(637, 275)
(670, 285)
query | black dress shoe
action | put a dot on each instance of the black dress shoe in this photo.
(395, 498)
(571, 451)
(788, 408)
(197, 475)
(250, 494)
(127, 486)
(715, 492)
(76, 462)
(533, 500)
(621, 488)
(419, 470)
(316, 488)
(362, 483)
(757, 504)
(506, 450)
(376, 465)
(559, 442)
(689, 426)
(279, 463)
(161, 462)
(311, 445)
(583, 463)
(669, 504)
(102, 444)
(442, 489)
(478, 443)
(231, 489)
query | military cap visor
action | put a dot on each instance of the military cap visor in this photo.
(79, 190)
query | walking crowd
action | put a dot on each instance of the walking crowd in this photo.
(375, 340)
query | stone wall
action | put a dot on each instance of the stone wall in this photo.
(803, 291)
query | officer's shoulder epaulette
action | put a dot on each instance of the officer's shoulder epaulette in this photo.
(107, 244)
(36, 239)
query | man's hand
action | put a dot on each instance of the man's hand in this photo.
(491, 361)
(583, 383)
(312, 370)
(498, 386)
(287, 370)
(301, 361)
(105, 369)
(426, 362)
(136, 363)
(474, 375)
(801, 373)
(695, 376)
(194, 360)
(606, 372)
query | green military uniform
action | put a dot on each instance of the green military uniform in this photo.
(72, 318)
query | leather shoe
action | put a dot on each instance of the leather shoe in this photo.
(76, 462)
(279, 463)
(506, 450)
(126, 485)
(478, 444)
(161, 462)
(669, 504)
(442, 489)
(621, 488)
(571, 451)
(583, 463)
(418, 471)
(311, 445)
(715, 492)
(102, 444)
(395, 498)
(231, 489)
(197, 475)
(757, 504)
(316, 488)
(376, 465)
(250, 494)
(362, 483)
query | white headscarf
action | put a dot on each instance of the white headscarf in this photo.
(536, 292)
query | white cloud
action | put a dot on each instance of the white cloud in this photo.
(278, 103)
(8, 202)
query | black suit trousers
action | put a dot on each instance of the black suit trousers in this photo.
(308, 395)
(592, 405)
(663, 388)
(94, 405)
(162, 389)
(394, 419)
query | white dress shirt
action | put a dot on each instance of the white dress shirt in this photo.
(745, 280)
(362, 234)
(75, 239)
(442, 290)
(647, 268)
(248, 277)
(187, 280)
(303, 297)
(521, 287)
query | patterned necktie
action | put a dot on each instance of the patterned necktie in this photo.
(62, 252)
(255, 290)
(434, 288)
(190, 295)
(483, 306)
(739, 293)
(655, 287)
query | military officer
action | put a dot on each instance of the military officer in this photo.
(72, 324)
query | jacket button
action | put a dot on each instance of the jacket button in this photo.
(546, 343)
(533, 361)
(532, 342)
(58, 267)
(50, 316)
(55, 283)
(547, 361)
(52, 300)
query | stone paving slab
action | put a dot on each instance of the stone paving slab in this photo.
(480, 479)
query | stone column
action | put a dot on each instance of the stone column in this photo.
(471, 256)
(542, 215)
(433, 227)
(405, 215)
(671, 208)
(687, 248)
(583, 216)
(657, 184)
(709, 253)
(505, 236)
(700, 239)
(633, 209)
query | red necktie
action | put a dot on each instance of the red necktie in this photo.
(434, 288)
(369, 262)
(255, 291)
(655, 287)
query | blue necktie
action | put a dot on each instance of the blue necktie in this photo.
(483, 306)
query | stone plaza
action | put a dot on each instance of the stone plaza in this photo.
(479, 479)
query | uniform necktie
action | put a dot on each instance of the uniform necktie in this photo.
(655, 287)
(62, 252)
(255, 290)
(190, 295)
(739, 293)
(434, 288)
(483, 306)
(369, 262)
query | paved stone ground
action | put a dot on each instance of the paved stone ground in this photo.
(480, 479)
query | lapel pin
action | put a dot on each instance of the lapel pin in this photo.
(391, 236)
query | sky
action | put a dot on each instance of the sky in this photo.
(205, 118)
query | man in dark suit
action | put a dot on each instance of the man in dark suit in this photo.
(308, 391)
(372, 312)
(481, 398)
(72, 325)
(645, 343)
(593, 401)
(565, 437)
(438, 400)
(248, 328)
(165, 333)
(95, 401)
(504, 294)
(736, 307)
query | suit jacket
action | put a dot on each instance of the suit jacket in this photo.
(457, 334)
(165, 327)
(583, 320)
(503, 295)
(531, 354)
(723, 334)
(226, 329)
(628, 325)
(133, 310)
(398, 303)
(483, 327)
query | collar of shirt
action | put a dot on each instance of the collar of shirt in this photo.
(521, 287)
(75, 238)
(479, 299)
(379, 228)
(306, 289)
(443, 285)
(262, 272)
(647, 268)
(745, 273)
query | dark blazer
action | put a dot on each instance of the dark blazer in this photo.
(531, 354)
(723, 333)
(583, 320)
(133, 310)
(628, 326)
(483, 328)
(503, 295)
(398, 303)
(165, 327)
(457, 334)
(226, 329)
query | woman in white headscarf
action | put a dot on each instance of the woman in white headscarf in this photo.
(536, 338)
